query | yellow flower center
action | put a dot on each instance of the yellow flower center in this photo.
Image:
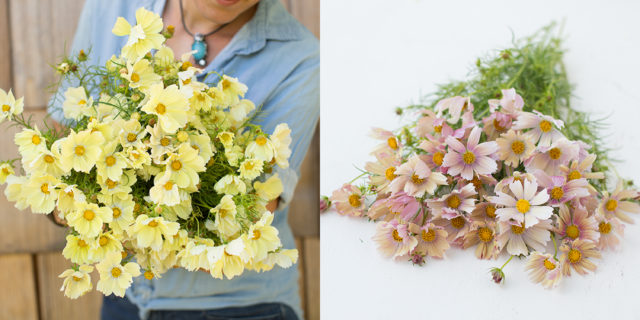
(416, 180)
(428, 236)
(574, 256)
(438, 158)
(393, 143)
(555, 153)
(135, 77)
(485, 234)
(354, 200)
(396, 236)
(612, 205)
(453, 201)
(103, 241)
(115, 272)
(549, 265)
(517, 229)
(48, 159)
(498, 126)
(390, 173)
(5, 171)
(36, 139)
(523, 206)
(79, 151)
(81, 243)
(153, 224)
(82, 102)
(76, 278)
(168, 186)
(261, 140)
(89, 215)
(185, 65)
(116, 212)
(111, 184)
(517, 147)
(248, 165)
(165, 142)
(148, 275)
(110, 160)
(6, 108)
(226, 84)
(44, 188)
(604, 227)
(161, 108)
(468, 157)
(545, 126)
(131, 137)
(574, 175)
(490, 211)
(557, 193)
(437, 129)
(256, 235)
(176, 165)
(458, 222)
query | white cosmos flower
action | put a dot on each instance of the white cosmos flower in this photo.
(525, 205)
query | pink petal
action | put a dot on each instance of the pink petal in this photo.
(474, 137)
(486, 148)
(467, 172)
(455, 144)
(485, 165)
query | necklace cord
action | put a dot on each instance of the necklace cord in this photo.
(184, 24)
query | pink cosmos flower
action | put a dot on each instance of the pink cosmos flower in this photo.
(613, 205)
(426, 124)
(560, 190)
(455, 107)
(514, 147)
(436, 150)
(475, 157)
(383, 171)
(484, 211)
(610, 230)
(393, 238)
(432, 239)
(550, 159)
(455, 203)
(503, 185)
(348, 200)
(511, 102)
(543, 268)
(542, 127)
(398, 205)
(496, 123)
(525, 205)
(519, 237)
(415, 178)
(483, 234)
(576, 255)
(581, 169)
(456, 227)
(390, 144)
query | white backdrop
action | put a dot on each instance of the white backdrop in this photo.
(377, 55)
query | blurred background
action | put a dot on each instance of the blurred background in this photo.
(34, 35)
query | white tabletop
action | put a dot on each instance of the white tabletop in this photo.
(377, 55)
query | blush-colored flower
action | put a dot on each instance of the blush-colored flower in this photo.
(436, 150)
(576, 255)
(383, 171)
(514, 147)
(525, 205)
(484, 211)
(581, 169)
(454, 106)
(348, 200)
(560, 190)
(577, 224)
(393, 238)
(390, 144)
(415, 178)
(611, 231)
(454, 203)
(544, 269)
(519, 237)
(484, 235)
(542, 127)
(432, 239)
(550, 159)
(613, 205)
(457, 227)
(496, 124)
(474, 158)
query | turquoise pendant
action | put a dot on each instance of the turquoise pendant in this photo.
(200, 48)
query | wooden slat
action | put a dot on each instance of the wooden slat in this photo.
(53, 304)
(307, 12)
(312, 277)
(304, 208)
(5, 49)
(23, 231)
(18, 299)
(41, 31)
(301, 280)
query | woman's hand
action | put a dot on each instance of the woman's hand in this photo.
(273, 204)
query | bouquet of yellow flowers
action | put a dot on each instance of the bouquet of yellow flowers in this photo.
(156, 170)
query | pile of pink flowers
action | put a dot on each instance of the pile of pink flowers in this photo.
(508, 182)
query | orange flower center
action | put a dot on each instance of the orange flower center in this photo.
(468, 157)
(390, 173)
(354, 200)
(36, 139)
(416, 180)
(549, 265)
(498, 126)
(148, 275)
(44, 188)
(79, 151)
(612, 205)
(428, 236)
(545, 126)
(604, 227)
(437, 129)
(115, 272)
(555, 153)
(103, 241)
(131, 137)
(453, 201)
(396, 236)
(168, 186)
(485, 234)
(89, 215)
(438, 158)
(574, 256)
(135, 77)
(110, 160)
(393, 143)
(161, 108)
(256, 235)
(48, 159)
(176, 165)
(574, 175)
(517, 229)
(557, 193)
(116, 212)
(82, 243)
(572, 231)
(165, 142)
(261, 140)
(458, 222)
(111, 184)
(153, 224)
(517, 147)
(490, 211)
(523, 206)
(6, 108)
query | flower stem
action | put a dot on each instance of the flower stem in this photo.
(505, 264)
(555, 246)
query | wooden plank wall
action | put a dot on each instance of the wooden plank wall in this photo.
(35, 34)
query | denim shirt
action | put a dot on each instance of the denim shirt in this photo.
(278, 59)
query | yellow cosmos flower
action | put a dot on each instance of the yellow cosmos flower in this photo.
(281, 139)
(160, 142)
(76, 282)
(6, 170)
(68, 197)
(30, 144)
(238, 112)
(14, 191)
(261, 148)
(88, 218)
(9, 106)
(138, 157)
(225, 223)
(202, 143)
(183, 167)
(169, 104)
(114, 277)
(182, 209)
(231, 89)
(250, 168)
(46, 162)
(40, 193)
(262, 238)
(201, 101)
(233, 155)
(149, 231)
(104, 244)
(230, 184)
(227, 259)
(117, 187)
(140, 75)
(165, 192)
(143, 37)
(122, 213)
(77, 104)
(270, 189)
(131, 134)
(111, 163)
(77, 250)
(226, 138)
(283, 258)
(81, 150)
